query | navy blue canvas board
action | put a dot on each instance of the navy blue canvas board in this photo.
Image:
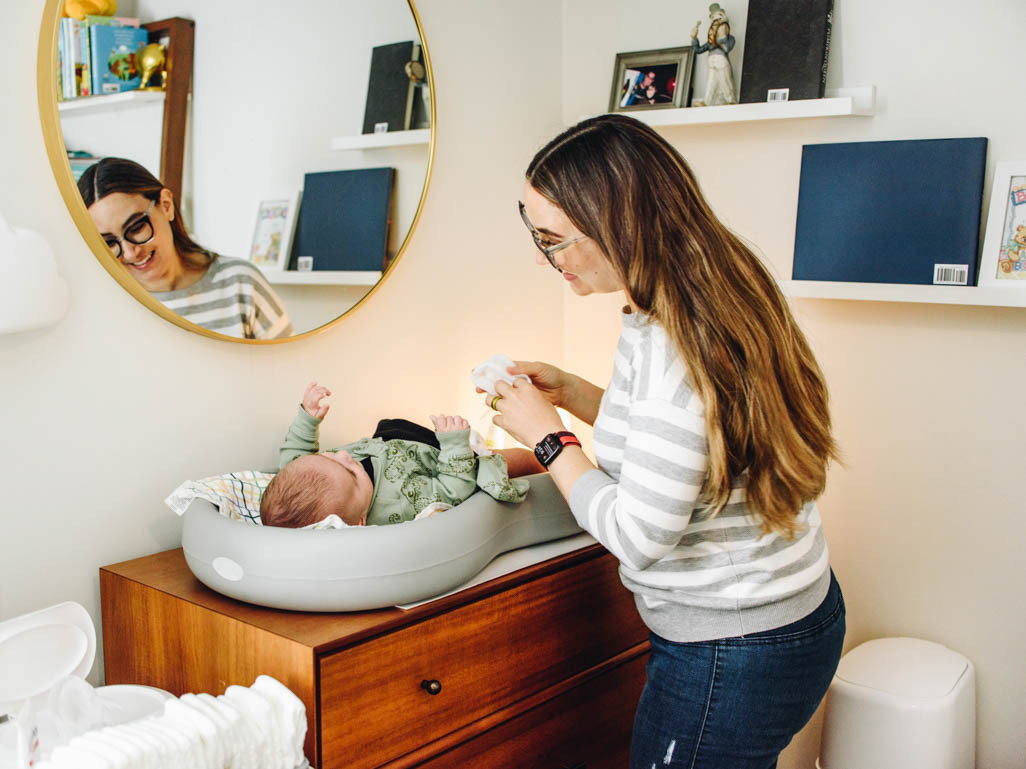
(890, 212)
(344, 219)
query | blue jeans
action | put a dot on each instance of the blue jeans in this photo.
(735, 703)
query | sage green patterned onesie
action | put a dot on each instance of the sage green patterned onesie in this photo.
(409, 475)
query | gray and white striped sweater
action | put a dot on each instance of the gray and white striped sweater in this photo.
(232, 298)
(695, 577)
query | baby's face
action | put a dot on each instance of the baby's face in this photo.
(351, 483)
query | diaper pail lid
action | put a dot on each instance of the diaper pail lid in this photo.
(904, 667)
(40, 648)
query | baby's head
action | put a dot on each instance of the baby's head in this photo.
(312, 487)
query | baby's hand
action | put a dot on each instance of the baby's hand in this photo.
(312, 398)
(447, 424)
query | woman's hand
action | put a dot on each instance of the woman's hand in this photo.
(550, 381)
(312, 398)
(524, 411)
(447, 424)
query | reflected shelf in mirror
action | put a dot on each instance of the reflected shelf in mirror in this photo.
(388, 139)
(323, 278)
(114, 102)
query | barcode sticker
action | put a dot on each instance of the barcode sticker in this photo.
(778, 94)
(950, 274)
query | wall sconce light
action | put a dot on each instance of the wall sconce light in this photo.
(32, 292)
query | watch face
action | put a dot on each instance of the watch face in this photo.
(547, 449)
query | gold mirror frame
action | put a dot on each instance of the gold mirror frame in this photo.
(49, 117)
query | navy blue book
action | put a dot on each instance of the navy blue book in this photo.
(344, 219)
(890, 212)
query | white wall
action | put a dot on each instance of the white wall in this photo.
(107, 412)
(926, 520)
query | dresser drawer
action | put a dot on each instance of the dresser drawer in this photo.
(587, 727)
(484, 656)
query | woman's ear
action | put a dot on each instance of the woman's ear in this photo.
(167, 203)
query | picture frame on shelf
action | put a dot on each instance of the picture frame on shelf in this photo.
(656, 79)
(1003, 262)
(274, 231)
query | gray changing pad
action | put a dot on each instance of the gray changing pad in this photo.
(367, 567)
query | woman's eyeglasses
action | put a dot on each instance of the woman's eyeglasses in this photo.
(137, 233)
(539, 239)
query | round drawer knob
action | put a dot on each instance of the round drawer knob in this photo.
(431, 687)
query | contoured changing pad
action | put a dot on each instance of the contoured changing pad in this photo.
(367, 567)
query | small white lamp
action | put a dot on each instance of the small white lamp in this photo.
(32, 293)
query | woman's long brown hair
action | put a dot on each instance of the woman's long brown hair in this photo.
(627, 188)
(120, 175)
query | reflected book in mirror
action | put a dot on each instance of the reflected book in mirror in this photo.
(391, 88)
(344, 220)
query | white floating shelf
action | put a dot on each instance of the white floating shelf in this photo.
(389, 139)
(985, 296)
(838, 103)
(323, 278)
(113, 102)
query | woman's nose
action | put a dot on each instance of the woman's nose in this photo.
(130, 252)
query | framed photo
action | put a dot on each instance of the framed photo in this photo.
(656, 79)
(273, 232)
(1003, 262)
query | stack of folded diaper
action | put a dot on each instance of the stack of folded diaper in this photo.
(258, 727)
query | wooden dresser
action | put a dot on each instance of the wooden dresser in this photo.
(539, 669)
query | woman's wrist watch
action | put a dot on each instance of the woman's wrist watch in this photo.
(551, 445)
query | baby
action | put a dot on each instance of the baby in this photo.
(388, 478)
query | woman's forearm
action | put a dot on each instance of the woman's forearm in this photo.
(582, 398)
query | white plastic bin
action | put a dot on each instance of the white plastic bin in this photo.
(898, 703)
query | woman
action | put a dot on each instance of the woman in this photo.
(140, 221)
(712, 442)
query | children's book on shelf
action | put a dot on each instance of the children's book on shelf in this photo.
(79, 161)
(73, 54)
(113, 49)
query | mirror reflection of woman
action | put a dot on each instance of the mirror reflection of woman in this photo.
(142, 225)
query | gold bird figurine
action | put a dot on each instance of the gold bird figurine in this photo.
(150, 61)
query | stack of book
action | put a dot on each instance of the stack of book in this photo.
(97, 55)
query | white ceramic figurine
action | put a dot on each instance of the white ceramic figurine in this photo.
(719, 87)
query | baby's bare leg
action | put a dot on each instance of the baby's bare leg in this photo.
(521, 462)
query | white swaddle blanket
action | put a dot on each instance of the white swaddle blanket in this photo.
(262, 726)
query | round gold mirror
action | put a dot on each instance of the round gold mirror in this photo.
(289, 150)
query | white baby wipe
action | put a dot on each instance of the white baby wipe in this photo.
(494, 370)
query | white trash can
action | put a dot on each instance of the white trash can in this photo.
(897, 703)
